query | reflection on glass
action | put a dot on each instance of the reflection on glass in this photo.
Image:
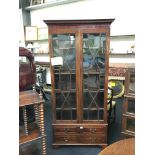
(91, 81)
(66, 106)
(65, 82)
(93, 105)
(66, 115)
(93, 114)
(93, 52)
(65, 78)
(93, 78)
(64, 46)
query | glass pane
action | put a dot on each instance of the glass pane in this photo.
(93, 114)
(91, 81)
(93, 52)
(66, 106)
(65, 82)
(93, 75)
(64, 46)
(65, 78)
(93, 105)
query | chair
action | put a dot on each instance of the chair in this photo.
(111, 106)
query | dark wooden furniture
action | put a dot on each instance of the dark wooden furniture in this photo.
(128, 116)
(122, 147)
(79, 86)
(34, 131)
(27, 69)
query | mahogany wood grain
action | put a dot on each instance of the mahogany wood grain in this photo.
(29, 97)
(122, 147)
(129, 98)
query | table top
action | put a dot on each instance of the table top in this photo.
(29, 97)
(122, 147)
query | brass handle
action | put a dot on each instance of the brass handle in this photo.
(66, 140)
(81, 127)
(93, 130)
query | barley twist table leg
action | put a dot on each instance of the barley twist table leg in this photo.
(36, 111)
(42, 128)
(25, 120)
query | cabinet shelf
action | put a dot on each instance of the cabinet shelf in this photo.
(64, 73)
(33, 133)
(130, 96)
(83, 109)
(41, 54)
(85, 73)
(132, 116)
(74, 90)
(94, 47)
(128, 133)
(67, 48)
(39, 40)
(93, 73)
(47, 64)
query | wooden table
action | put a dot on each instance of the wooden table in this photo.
(122, 147)
(33, 131)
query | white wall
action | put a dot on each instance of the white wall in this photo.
(122, 44)
(122, 11)
(122, 60)
(21, 30)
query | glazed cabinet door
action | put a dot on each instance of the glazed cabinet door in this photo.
(93, 76)
(64, 77)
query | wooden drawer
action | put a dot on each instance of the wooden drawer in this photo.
(80, 139)
(75, 129)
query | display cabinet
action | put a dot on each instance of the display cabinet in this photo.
(128, 116)
(79, 86)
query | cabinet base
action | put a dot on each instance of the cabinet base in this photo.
(56, 146)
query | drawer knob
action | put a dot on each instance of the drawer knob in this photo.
(93, 129)
(81, 127)
(66, 140)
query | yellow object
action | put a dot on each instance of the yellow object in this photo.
(113, 83)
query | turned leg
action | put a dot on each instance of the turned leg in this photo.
(36, 111)
(25, 121)
(42, 126)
